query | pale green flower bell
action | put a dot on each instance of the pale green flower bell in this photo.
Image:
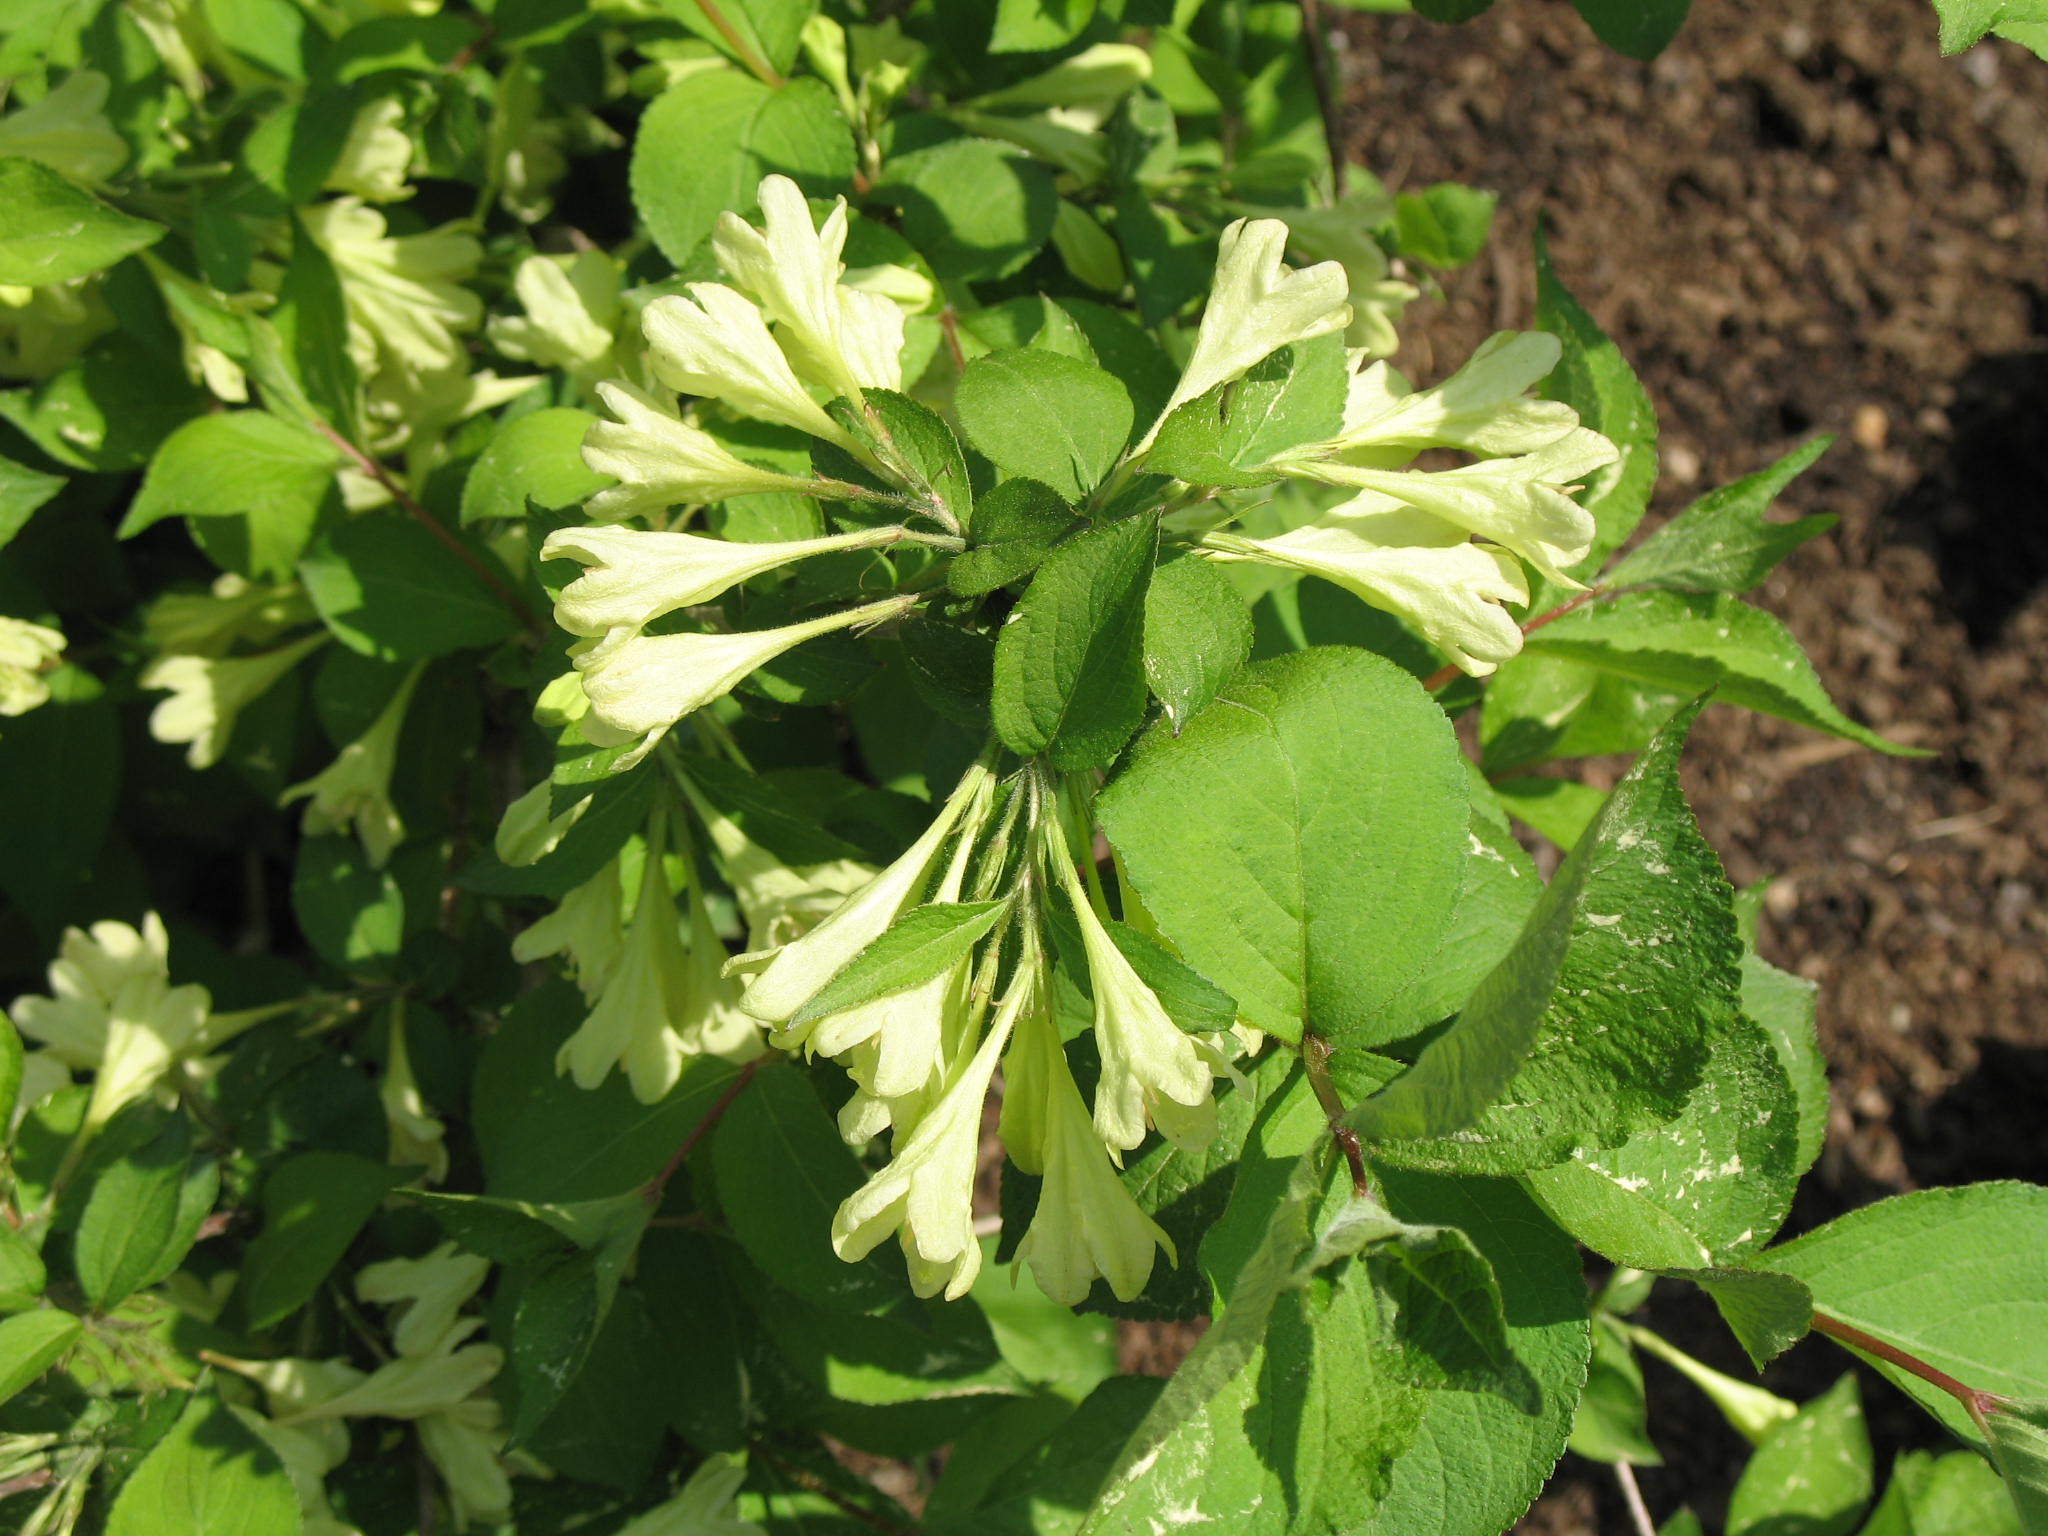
(634, 577)
(702, 1506)
(234, 610)
(1342, 233)
(529, 830)
(376, 154)
(1484, 408)
(640, 685)
(661, 461)
(208, 693)
(430, 1291)
(1407, 563)
(838, 337)
(27, 651)
(780, 903)
(631, 1024)
(1257, 305)
(572, 309)
(416, 1137)
(405, 295)
(68, 131)
(588, 925)
(715, 343)
(355, 789)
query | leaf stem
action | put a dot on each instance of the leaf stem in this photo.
(411, 507)
(733, 1089)
(1976, 1403)
(757, 66)
(1631, 1495)
(1315, 1060)
(1444, 675)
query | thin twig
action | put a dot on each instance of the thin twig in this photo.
(1975, 1402)
(1315, 1060)
(1444, 675)
(1315, 38)
(702, 1128)
(411, 507)
(757, 66)
(1638, 1511)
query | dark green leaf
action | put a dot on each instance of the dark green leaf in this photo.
(1811, 1474)
(522, 1232)
(560, 1310)
(57, 231)
(22, 491)
(1612, 1421)
(391, 589)
(1170, 266)
(918, 946)
(131, 1217)
(314, 1204)
(1229, 435)
(1767, 1313)
(1642, 29)
(730, 131)
(1069, 678)
(22, 1275)
(1325, 792)
(61, 763)
(973, 208)
(1721, 542)
(607, 1427)
(1198, 632)
(1440, 1302)
(351, 913)
(1015, 527)
(916, 440)
(1055, 419)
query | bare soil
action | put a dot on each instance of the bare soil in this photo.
(1800, 219)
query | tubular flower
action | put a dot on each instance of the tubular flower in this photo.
(529, 830)
(1256, 307)
(113, 1009)
(661, 461)
(355, 789)
(795, 972)
(778, 902)
(1483, 408)
(233, 609)
(632, 1023)
(715, 343)
(27, 651)
(1086, 1224)
(376, 155)
(836, 336)
(404, 294)
(1150, 1069)
(572, 313)
(208, 693)
(634, 577)
(416, 1135)
(640, 685)
(68, 130)
(1407, 563)
(1343, 233)
(713, 1023)
(587, 925)
(702, 1506)
(926, 1193)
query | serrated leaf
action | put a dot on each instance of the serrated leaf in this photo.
(916, 439)
(314, 1204)
(390, 589)
(1721, 542)
(1015, 527)
(1687, 643)
(1783, 1006)
(1069, 676)
(731, 130)
(1324, 790)
(1767, 1313)
(1442, 1305)
(1050, 418)
(57, 231)
(1596, 381)
(1198, 632)
(32, 1342)
(1812, 1473)
(1228, 436)
(22, 1275)
(211, 1473)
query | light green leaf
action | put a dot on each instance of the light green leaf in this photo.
(1325, 792)
(131, 1216)
(1445, 225)
(1538, 708)
(1054, 419)
(1036, 26)
(22, 492)
(248, 464)
(22, 1275)
(1957, 1494)
(771, 29)
(1895, 1270)
(1812, 1473)
(538, 456)
(1721, 542)
(1964, 22)
(56, 230)
(1688, 643)
(390, 589)
(1227, 436)
(314, 1204)
(2018, 1432)
(917, 946)
(1612, 1421)
(1783, 1005)
(211, 1473)
(1069, 674)
(1559, 809)
(351, 913)
(973, 208)
(705, 143)
(1198, 632)
(32, 1342)
(1596, 381)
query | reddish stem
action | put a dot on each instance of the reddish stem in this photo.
(756, 65)
(733, 1089)
(1977, 1403)
(1315, 1060)
(433, 525)
(1444, 675)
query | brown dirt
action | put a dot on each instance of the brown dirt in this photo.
(1800, 219)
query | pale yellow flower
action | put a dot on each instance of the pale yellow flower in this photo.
(208, 694)
(355, 789)
(27, 651)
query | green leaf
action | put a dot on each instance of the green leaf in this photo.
(1688, 643)
(770, 29)
(1198, 632)
(538, 456)
(1811, 1474)
(1721, 542)
(1228, 436)
(545, 1140)
(391, 589)
(906, 1353)
(607, 1426)
(1767, 1313)
(1612, 1420)
(1170, 266)
(2018, 1432)
(1325, 792)
(1540, 707)
(1445, 225)
(1440, 1301)
(1559, 809)
(523, 1232)
(32, 1342)
(782, 1171)
(1894, 1271)
(561, 1307)
(1783, 1005)
(131, 1217)
(1052, 418)
(311, 331)
(1710, 1188)
(1069, 677)
(247, 464)
(916, 947)
(1596, 1024)
(1035, 26)
(57, 231)
(421, 45)
(1596, 381)
(22, 1275)
(22, 491)
(1642, 29)
(211, 1473)
(1957, 1494)
(351, 913)
(1015, 527)
(915, 439)
(61, 763)
(731, 131)
(314, 1204)
(973, 208)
